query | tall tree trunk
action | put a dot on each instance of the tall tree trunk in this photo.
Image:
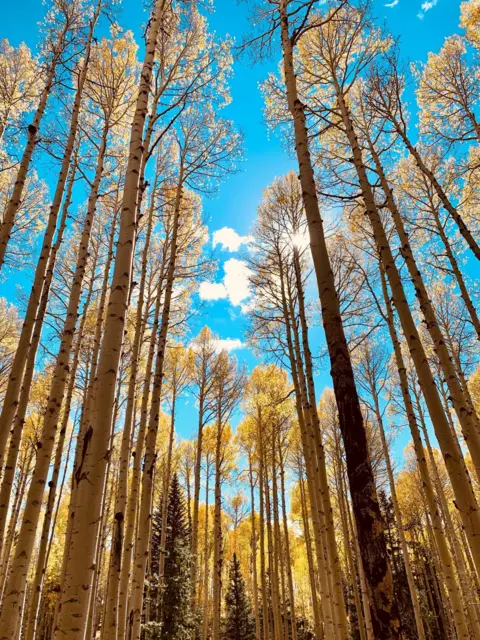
(362, 486)
(438, 531)
(256, 611)
(16, 199)
(23, 477)
(196, 490)
(272, 559)
(217, 530)
(72, 617)
(207, 555)
(263, 573)
(41, 562)
(363, 583)
(144, 518)
(466, 501)
(111, 612)
(13, 603)
(286, 535)
(318, 445)
(17, 430)
(317, 617)
(465, 412)
(134, 493)
(10, 403)
(398, 517)
(304, 419)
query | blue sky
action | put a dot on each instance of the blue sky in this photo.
(422, 27)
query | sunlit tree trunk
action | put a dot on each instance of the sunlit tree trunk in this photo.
(207, 556)
(19, 421)
(115, 564)
(466, 501)
(398, 517)
(261, 482)
(217, 531)
(464, 409)
(317, 616)
(362, 486)
(144, 517)
(23, 477)
(37, 583)
(438, 531)
(272, 557)
(72, 617)
(304, 418)
(256, 611)
(10, 403)
(322, 469)
(16, 584)
(286, 536)
(134, 493)
(16, 199)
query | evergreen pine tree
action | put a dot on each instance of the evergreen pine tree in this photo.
(177, 621)
(239, 624)
(399, 574)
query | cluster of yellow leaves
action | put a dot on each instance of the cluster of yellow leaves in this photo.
(470, 20)
(18, 79)
(112, 78)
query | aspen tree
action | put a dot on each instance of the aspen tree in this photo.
(208, 452)
(343, 507)
(228, 388)
(465, 412)
(41, 559)
(134, 492)
(60, 373)
(415, 190)
(385, 98)
(324, 42)
(244, 442)
(111, 612)
(11, 398)
(62, 22)
(17, 428)
(447, 94)
(362, 485)
(370, 373)
(271, 292)
(438, 530)
(13, 602)
(205, 153)
(72, 617)
(17, 81)
(204, 355)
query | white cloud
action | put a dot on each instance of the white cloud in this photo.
(236, 280)
(212, 291)
(229, 344)
(235, 286)
(426, 6)
(392, 4)
(229, 239)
